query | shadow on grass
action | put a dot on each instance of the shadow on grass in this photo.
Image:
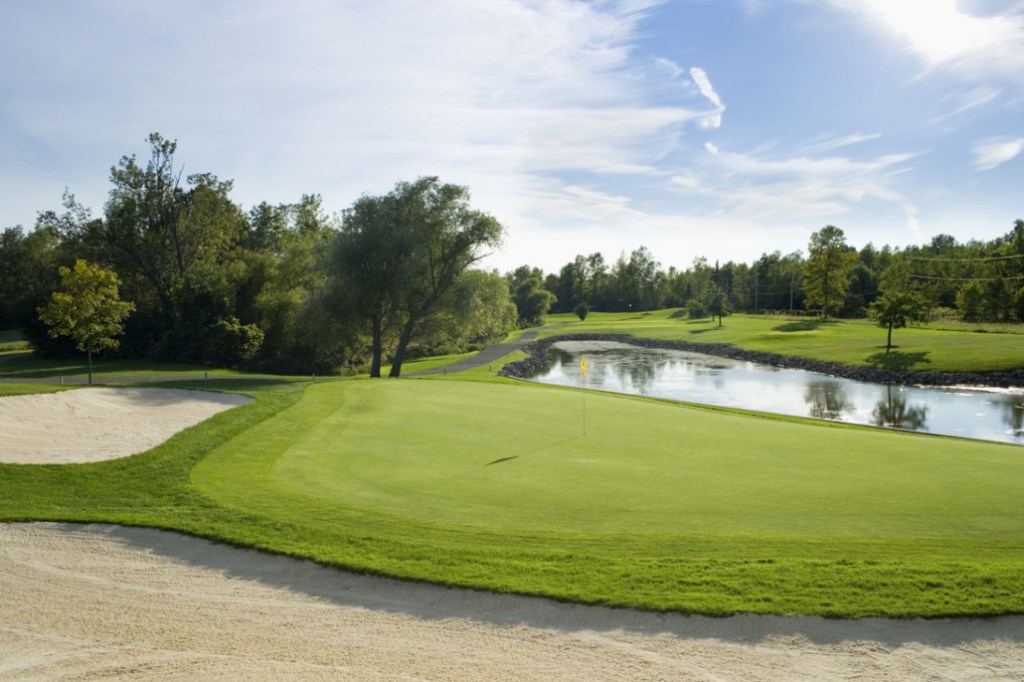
(801, 325)
(898, 361)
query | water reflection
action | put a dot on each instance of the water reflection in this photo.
(827, 399)
(894, 412)
(1013, 413)
(698, 378)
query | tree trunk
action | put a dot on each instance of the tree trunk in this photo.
(888, 340)
(377, 347)
(89, 355)
(403, 344)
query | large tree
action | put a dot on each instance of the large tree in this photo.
(87, 308)
(397, 255)
(826, 270)
(161, 235)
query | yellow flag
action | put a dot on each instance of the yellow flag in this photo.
(583, 364)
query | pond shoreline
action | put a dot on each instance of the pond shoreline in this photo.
(540, 357)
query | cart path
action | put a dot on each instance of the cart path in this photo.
(488, 355)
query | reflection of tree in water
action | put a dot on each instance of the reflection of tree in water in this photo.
(1013, 413)
(826, 398)
(892, 411)
(640, 369)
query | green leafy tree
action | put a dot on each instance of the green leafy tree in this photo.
(398, 255)
(531, 300)
(717, 302)
(87, 308)
(157, 230)
(900, 303)
(826, 270)
(969, 301)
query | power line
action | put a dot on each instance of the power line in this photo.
(966, 279)
(966, 260)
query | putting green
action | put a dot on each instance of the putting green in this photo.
(505, 457)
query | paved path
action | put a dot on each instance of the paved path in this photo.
(488, 355)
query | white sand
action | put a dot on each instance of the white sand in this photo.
(93, 424)
(106, 602)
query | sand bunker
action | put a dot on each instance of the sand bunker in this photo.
(99, 601)
(89, 425)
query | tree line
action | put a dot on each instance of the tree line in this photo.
(288, 288)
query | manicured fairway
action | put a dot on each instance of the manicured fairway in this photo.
(661, 506)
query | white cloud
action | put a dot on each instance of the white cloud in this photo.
(750, 187)
(827, 143)
(290, 98)
(989, 154)
(714, 119)
(943, 34)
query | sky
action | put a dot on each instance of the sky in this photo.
(721, 129)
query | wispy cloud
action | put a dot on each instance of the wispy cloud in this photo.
(714, 119)
(753, 187)
(828, 143)
(994, 152)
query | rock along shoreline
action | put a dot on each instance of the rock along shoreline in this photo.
(540, 357)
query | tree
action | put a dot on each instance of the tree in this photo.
(532, 302)
(899, 303)
(717, 303)
(157, 231)
(396, 256)
(87, 308)
(826, 269)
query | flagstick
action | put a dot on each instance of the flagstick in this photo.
(583, 366)
(584, 405)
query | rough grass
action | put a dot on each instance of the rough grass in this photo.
(76, 370)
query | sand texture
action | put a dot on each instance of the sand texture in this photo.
(108, 602)
(89, 425)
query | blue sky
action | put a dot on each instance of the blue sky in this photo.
(715, 128)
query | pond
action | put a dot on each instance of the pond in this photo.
(985, 414)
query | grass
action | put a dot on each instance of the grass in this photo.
(853, 342)
(480, 482)
(492, 484)
(76, 370)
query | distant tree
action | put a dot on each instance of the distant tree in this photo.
(532, 301)
(87, 308)
(900, 303)
(969, 301)
(581, 310)
(825, 272)
(717, 303)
